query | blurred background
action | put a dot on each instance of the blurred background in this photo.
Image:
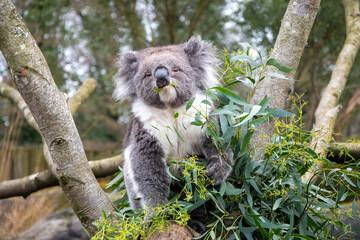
(82, 39)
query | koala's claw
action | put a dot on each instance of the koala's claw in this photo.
(218, 170)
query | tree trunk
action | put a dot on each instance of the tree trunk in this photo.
(289, 46)
(328, 108)
(48, 106)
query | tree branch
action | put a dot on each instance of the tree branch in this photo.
(328, 108)
(74, 103)
(14, 96)
(48, 106)
(352, 148)
(35, 182)
(289, 46)
(81, 94)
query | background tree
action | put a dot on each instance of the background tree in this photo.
(81, 39)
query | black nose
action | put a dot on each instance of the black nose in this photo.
(162, 77)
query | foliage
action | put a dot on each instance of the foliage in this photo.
(82, 39)
(263, 198)
(131, 225)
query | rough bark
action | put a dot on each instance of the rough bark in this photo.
(35, 182)
(289, 46)
(48, 106)
(328, 108)
(175, 232)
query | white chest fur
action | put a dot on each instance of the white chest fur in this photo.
(163, 125)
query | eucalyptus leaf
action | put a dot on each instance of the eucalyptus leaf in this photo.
(189, 104)
(231, 95)
(276, 64)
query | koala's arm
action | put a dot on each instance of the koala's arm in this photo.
(218, 169)
(145, 173)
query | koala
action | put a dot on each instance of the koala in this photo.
(159, 82)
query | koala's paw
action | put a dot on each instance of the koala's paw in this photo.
(218, 169)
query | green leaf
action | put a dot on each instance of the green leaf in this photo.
(154, 127)
(353, 207)
(230, 132)
(211, 94)
(188, 183)
(231, 190)
(231, 95)
(117, 178)
(264, 102)
(170, 174)
(277, 204)
(212, 234)
(167, 137)
(280, 113)
(222, 188)
(341, 193)
(302, 236)
(176, 115)
(104, 215)
(206, 102)
(276, 64)
(253, 184)
(255, 109)
(333, 171)
(348, 180)
(278, 75)
(263, 118)
(247, 229)
(222, 111)
(260, 227)
(274, 226)
(223, 123)
(178, 134)
(251, 79)
(246, 140)
(189, 104)
(243, 58)
(210, 132)
(197, 121)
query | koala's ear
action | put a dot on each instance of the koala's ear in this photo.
(202, 57)
(124, 87)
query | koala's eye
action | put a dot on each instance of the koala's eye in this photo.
(148, 74)
(176, 70)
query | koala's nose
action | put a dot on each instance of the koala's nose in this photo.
(162, 77)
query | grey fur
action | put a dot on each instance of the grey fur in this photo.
(145, 162)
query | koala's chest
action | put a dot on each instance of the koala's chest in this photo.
(173, 129)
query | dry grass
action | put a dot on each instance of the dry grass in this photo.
(18, 214)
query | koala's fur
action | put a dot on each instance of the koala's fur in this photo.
(151, 140)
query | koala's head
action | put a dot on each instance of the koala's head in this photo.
(166, 76)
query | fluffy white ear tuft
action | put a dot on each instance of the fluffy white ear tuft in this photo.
(127, 65)
(202, 56)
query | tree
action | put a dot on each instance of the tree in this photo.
(327, 111)
(290, 43)
(37, 87)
